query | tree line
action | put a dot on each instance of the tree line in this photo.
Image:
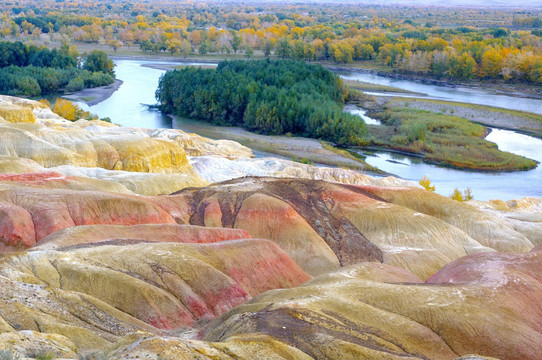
(438, 42)
(266, 96)
(31, 71)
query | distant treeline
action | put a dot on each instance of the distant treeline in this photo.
(271, 97)
(30, 71)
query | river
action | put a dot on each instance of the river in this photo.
(459, 94)
(126, 107)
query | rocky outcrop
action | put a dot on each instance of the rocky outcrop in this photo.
(524, 216)
(134, 182)
(94, 146)
(323, 225)
(44, 212)
(216, 169)
(146, 346)
(95, 234)
(16, 114)
(320, 225)
(196, 145)
(95, 293)
(32, 344)
(96, 256)
(49, 141)
(483, 304)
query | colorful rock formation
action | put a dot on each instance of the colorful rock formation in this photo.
(482, 303)
(320, 225)
(323, 225)
(112, 240)
(94, 293)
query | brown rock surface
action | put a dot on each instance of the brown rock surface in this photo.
(93, 234)
(310, 219)
(320, 225)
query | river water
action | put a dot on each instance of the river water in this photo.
(459, 94)
(126, 107)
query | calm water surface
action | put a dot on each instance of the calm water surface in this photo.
(127, 107)
(459, 94)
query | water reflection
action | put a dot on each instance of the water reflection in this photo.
(362, 113)
(484, 185)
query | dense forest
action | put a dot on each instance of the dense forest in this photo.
(271, 97)
(30, 71)
(457, 45)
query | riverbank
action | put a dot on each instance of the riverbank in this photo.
(95, 95)
(304, 150)
(496, 87)
(370, 87)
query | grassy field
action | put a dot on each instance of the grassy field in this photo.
(442, 139)
(365, 86)
(522, 121)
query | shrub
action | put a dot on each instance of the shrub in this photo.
(75, 84)
(45, 356)
(456, 195)
(27, 86)
(71, 111)
(465, 196)
(426, 183)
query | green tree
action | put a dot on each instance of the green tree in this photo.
(249, 51)
(203, 48)
(268, 46)
(235, 42)
(467, 194)
(97, 60)
(283, 49)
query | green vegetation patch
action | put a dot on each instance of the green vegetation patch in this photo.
(270, 97)
(31, 71)
(443, 139)
(519, 113)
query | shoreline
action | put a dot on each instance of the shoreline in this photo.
(511, 90)
(300, 149)
(94, 96)
(498, 88)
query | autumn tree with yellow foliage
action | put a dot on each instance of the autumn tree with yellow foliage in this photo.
(68, 110)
